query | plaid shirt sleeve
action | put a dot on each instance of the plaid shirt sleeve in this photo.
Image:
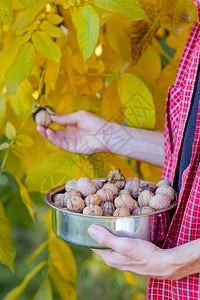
(185, 225)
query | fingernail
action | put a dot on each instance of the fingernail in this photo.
(93, 230)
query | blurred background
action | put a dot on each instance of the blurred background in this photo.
(116, 61)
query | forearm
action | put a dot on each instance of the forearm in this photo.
(141, 144)
(184, 260)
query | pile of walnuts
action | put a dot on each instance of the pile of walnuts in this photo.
(115, 196)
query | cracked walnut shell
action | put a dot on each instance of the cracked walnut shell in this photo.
(85, 186)
(105, 194)
(126, 201)
(75, 204)
(133, 186)
(92, 210)
(108, 208)
(144, 198)
(93, 199)
(121, 212)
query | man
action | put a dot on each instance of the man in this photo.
(174, 270)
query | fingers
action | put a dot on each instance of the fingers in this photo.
(112, 258)
(42, 131)
(69, 119)
(104, 237)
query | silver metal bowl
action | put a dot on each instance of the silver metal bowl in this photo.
(73, 227)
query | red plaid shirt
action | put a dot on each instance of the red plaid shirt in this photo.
(185, 225)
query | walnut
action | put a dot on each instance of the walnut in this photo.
(92, 210)
(136, 211)
(69, 195)
(152, 187)
(70, 185)
(57, 199)
(75, 204)
(42, 115)
(127, 201)
(126, 192)
(98, 183)
(120, 184)
(163, 182)
(85, 186)
(108, 208)
(93, 199)
(144, 198)
(147, 210)
(112, 187)
(121, 212)
(159, 201)
(105, 194)
(166, 190)
(133, 187)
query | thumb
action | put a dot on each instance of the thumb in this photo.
(104, 237)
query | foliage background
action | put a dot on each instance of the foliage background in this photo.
(105, 57)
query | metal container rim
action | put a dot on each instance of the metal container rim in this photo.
(61, 188)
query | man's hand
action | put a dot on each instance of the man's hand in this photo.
(82, 133)
(144, 258)
(134, 255)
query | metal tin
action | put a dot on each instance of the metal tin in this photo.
(73, 227)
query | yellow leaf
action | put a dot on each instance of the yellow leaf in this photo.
(62, 258)
(89, 86)
(14, 294)
(115, 34)
(45, 46)
(138, 102)
(4, 146)
(112, 110)
(51, 75)
(65, 289)
(129, 277)
(2, 109)
(26, 199)
(10, 131)
(23, 140)
(150, 62)
(51, 30)
(6, 13)
(54, 19)
(150, 172)
(21, 106)
(139, 296)
(78, 64)
(56, 169)
(7, 248)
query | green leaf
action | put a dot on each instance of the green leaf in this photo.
(37, 252)
(10, 131)
(21, 68)
(23, 140)
(2, 109)
(54, 19)
(126, 8)
(4, 146)
(51, 30)
(44, 45)
(44, 291)
(7, 248)
(28, 3)
(6, 13)
(88, 31)
(13, 294)
(138, 102)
